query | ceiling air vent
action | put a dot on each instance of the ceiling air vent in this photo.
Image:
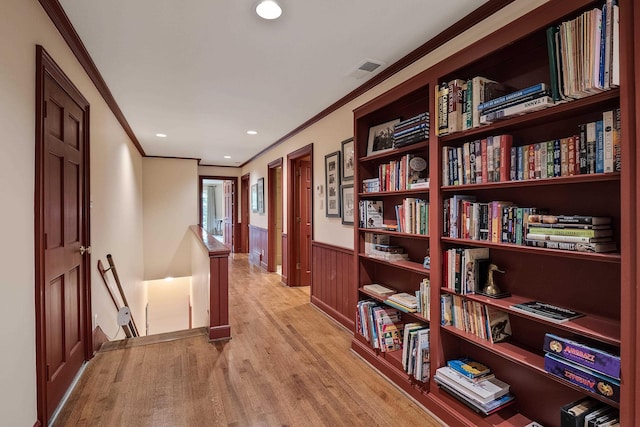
(365, 68)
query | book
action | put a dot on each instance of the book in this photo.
(574, 246)
(405, 299)
(567, 239)
(498, 324)
(379, 289)
(537, 88)
(582, 377)
(372, 214)
(570, 219)
(487, 409)
(468, 367)
(546, 311)
(517, 109)
(577, 232)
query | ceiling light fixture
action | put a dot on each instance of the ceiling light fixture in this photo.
(252, 132)
(161, 135)
(227, 157)
(268, 9)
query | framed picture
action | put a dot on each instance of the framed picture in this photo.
(254, 198)
(381, 137)
(348, 203)
(261, 195)
(332, 176)
(348, 160)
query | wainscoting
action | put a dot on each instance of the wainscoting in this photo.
(258, 247)
(332, 282)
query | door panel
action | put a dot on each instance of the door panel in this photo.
(305, 222)
(63, 195)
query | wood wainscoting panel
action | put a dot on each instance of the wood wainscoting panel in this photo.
(333, 282)
(285, 259)
(258, 246)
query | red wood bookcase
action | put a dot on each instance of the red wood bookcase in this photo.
(600, 285)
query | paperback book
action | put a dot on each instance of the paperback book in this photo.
(545, 311)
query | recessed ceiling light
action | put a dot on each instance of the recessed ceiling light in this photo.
(252, 132)
(268, 9)
(227, 157)
(161, 135)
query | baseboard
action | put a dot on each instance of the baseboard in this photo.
(333, 313)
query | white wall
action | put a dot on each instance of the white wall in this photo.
(168, 305)
(327, 134)
(170, 188)
(116, 216)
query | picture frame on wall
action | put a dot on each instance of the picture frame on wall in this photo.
(332, 182)
(254, 198)
(348, 204)
(261, 195)
(348, 159)
(381, 137)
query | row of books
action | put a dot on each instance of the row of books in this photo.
(412, 216)
(380, 325)
(583, 364)
(411, 130)
(584, 53)
(483, 321)
(457, 102)
(596, 149)
(504, 222)
(527, 100)
(416, 353)
(408, 173)
(465, 269)
(475, 385)
(589, 412)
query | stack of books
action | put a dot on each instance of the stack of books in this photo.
(473, 384)
(403, 302)
(523, 101)
(412, 130)
(584, 365)
(379, 290)
(388, 252)
(590, 233)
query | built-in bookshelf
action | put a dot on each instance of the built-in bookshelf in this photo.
(595, 285)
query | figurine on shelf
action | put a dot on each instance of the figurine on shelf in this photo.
(491, 289)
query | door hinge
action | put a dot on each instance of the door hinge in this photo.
(298, 219)
(46, 372)
(298, 172)
(297, 266)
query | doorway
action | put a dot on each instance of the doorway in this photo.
(300, 215)
(62, 241)
(218, 214)
(274, 263)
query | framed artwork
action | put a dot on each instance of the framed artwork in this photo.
(261, 195)
(348, 160)
(332, 176)
(348, 203)
(254, 198)
(381, 137)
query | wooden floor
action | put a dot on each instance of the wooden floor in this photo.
(286, 365)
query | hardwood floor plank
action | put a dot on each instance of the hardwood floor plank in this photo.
(287, 364)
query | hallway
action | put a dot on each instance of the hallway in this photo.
(287, 364)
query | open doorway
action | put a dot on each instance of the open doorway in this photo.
(274, 263)
(299, 215)
(218, 201)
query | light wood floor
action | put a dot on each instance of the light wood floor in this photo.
(286, 365)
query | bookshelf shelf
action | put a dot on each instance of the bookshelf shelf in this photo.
(568, 180)
(603, 257)
(555, 113)
(395, 153)
(404, 265)
(523, 357)
(596, 327)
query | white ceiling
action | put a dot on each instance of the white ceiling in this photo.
(206, 71)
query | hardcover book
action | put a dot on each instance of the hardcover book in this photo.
(378, 290)
(546, 311)
(469, 368)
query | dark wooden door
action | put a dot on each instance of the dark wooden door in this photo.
(304, 215)
(63, 211)
(228, 213)
(244, 215)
